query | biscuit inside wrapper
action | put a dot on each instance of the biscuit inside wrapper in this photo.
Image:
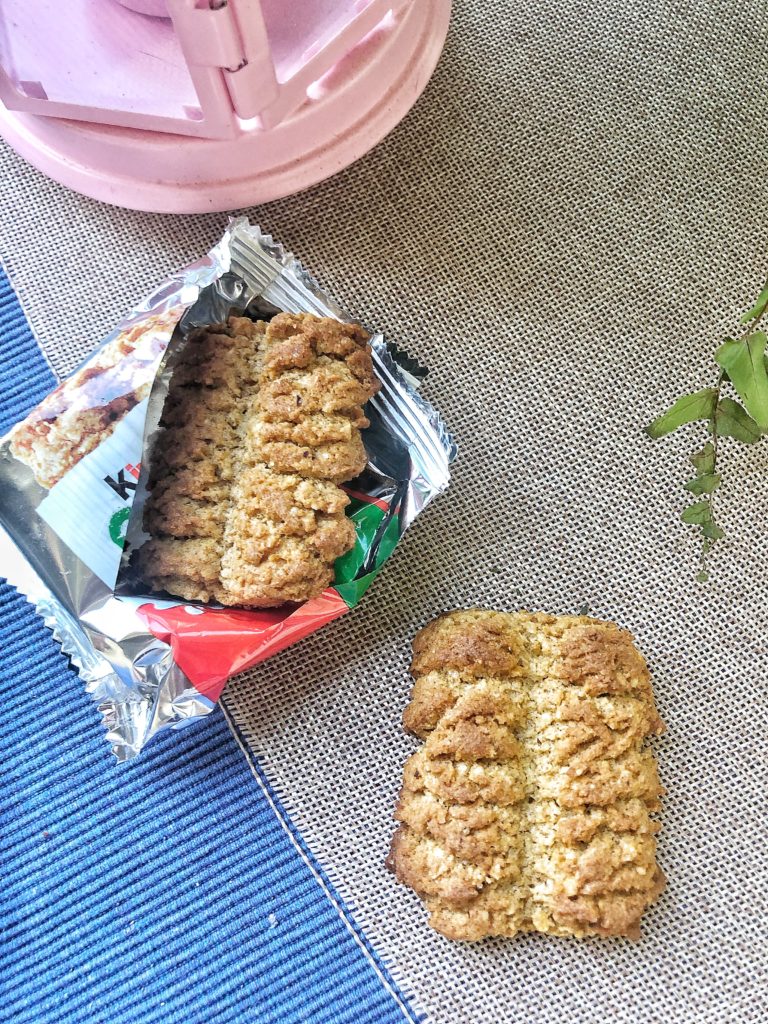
(228, 472)
(261, 425)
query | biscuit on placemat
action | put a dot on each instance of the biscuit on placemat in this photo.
(531, 804)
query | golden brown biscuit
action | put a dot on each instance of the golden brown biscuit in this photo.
(531, 804)
(261, 424)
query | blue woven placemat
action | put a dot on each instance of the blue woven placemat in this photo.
(161, 890)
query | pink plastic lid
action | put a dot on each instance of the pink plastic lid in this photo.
(262, 99)
(197, 67)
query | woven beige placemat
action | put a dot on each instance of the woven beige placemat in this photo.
(563, 226)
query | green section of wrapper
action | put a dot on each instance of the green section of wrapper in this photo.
(374, 528)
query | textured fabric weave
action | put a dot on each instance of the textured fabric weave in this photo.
(562, 228)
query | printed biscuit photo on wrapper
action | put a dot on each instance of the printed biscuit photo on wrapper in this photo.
(227, 473)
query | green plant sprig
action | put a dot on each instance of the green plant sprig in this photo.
(743, 369)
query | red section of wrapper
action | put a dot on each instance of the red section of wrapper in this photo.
(212, 644)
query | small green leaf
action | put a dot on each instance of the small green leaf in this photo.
(758, 309)
(704, 461)
(703, 576)
(744, 363)
(712, 531)
(688, 409)
(733, 420)
(704, 484)
(698, 514)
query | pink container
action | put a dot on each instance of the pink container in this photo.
(216, 106)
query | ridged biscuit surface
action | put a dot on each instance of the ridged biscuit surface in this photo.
(531, 805)
(261, 425)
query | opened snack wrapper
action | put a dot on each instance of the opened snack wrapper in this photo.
(73, 487)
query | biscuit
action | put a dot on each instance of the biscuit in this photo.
(261, 424)
(532, 803)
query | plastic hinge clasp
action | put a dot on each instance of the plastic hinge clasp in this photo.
(209, 35)
(252, 84)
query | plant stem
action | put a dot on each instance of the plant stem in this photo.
(748, 329)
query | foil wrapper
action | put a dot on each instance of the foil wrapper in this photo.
(73, 485)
